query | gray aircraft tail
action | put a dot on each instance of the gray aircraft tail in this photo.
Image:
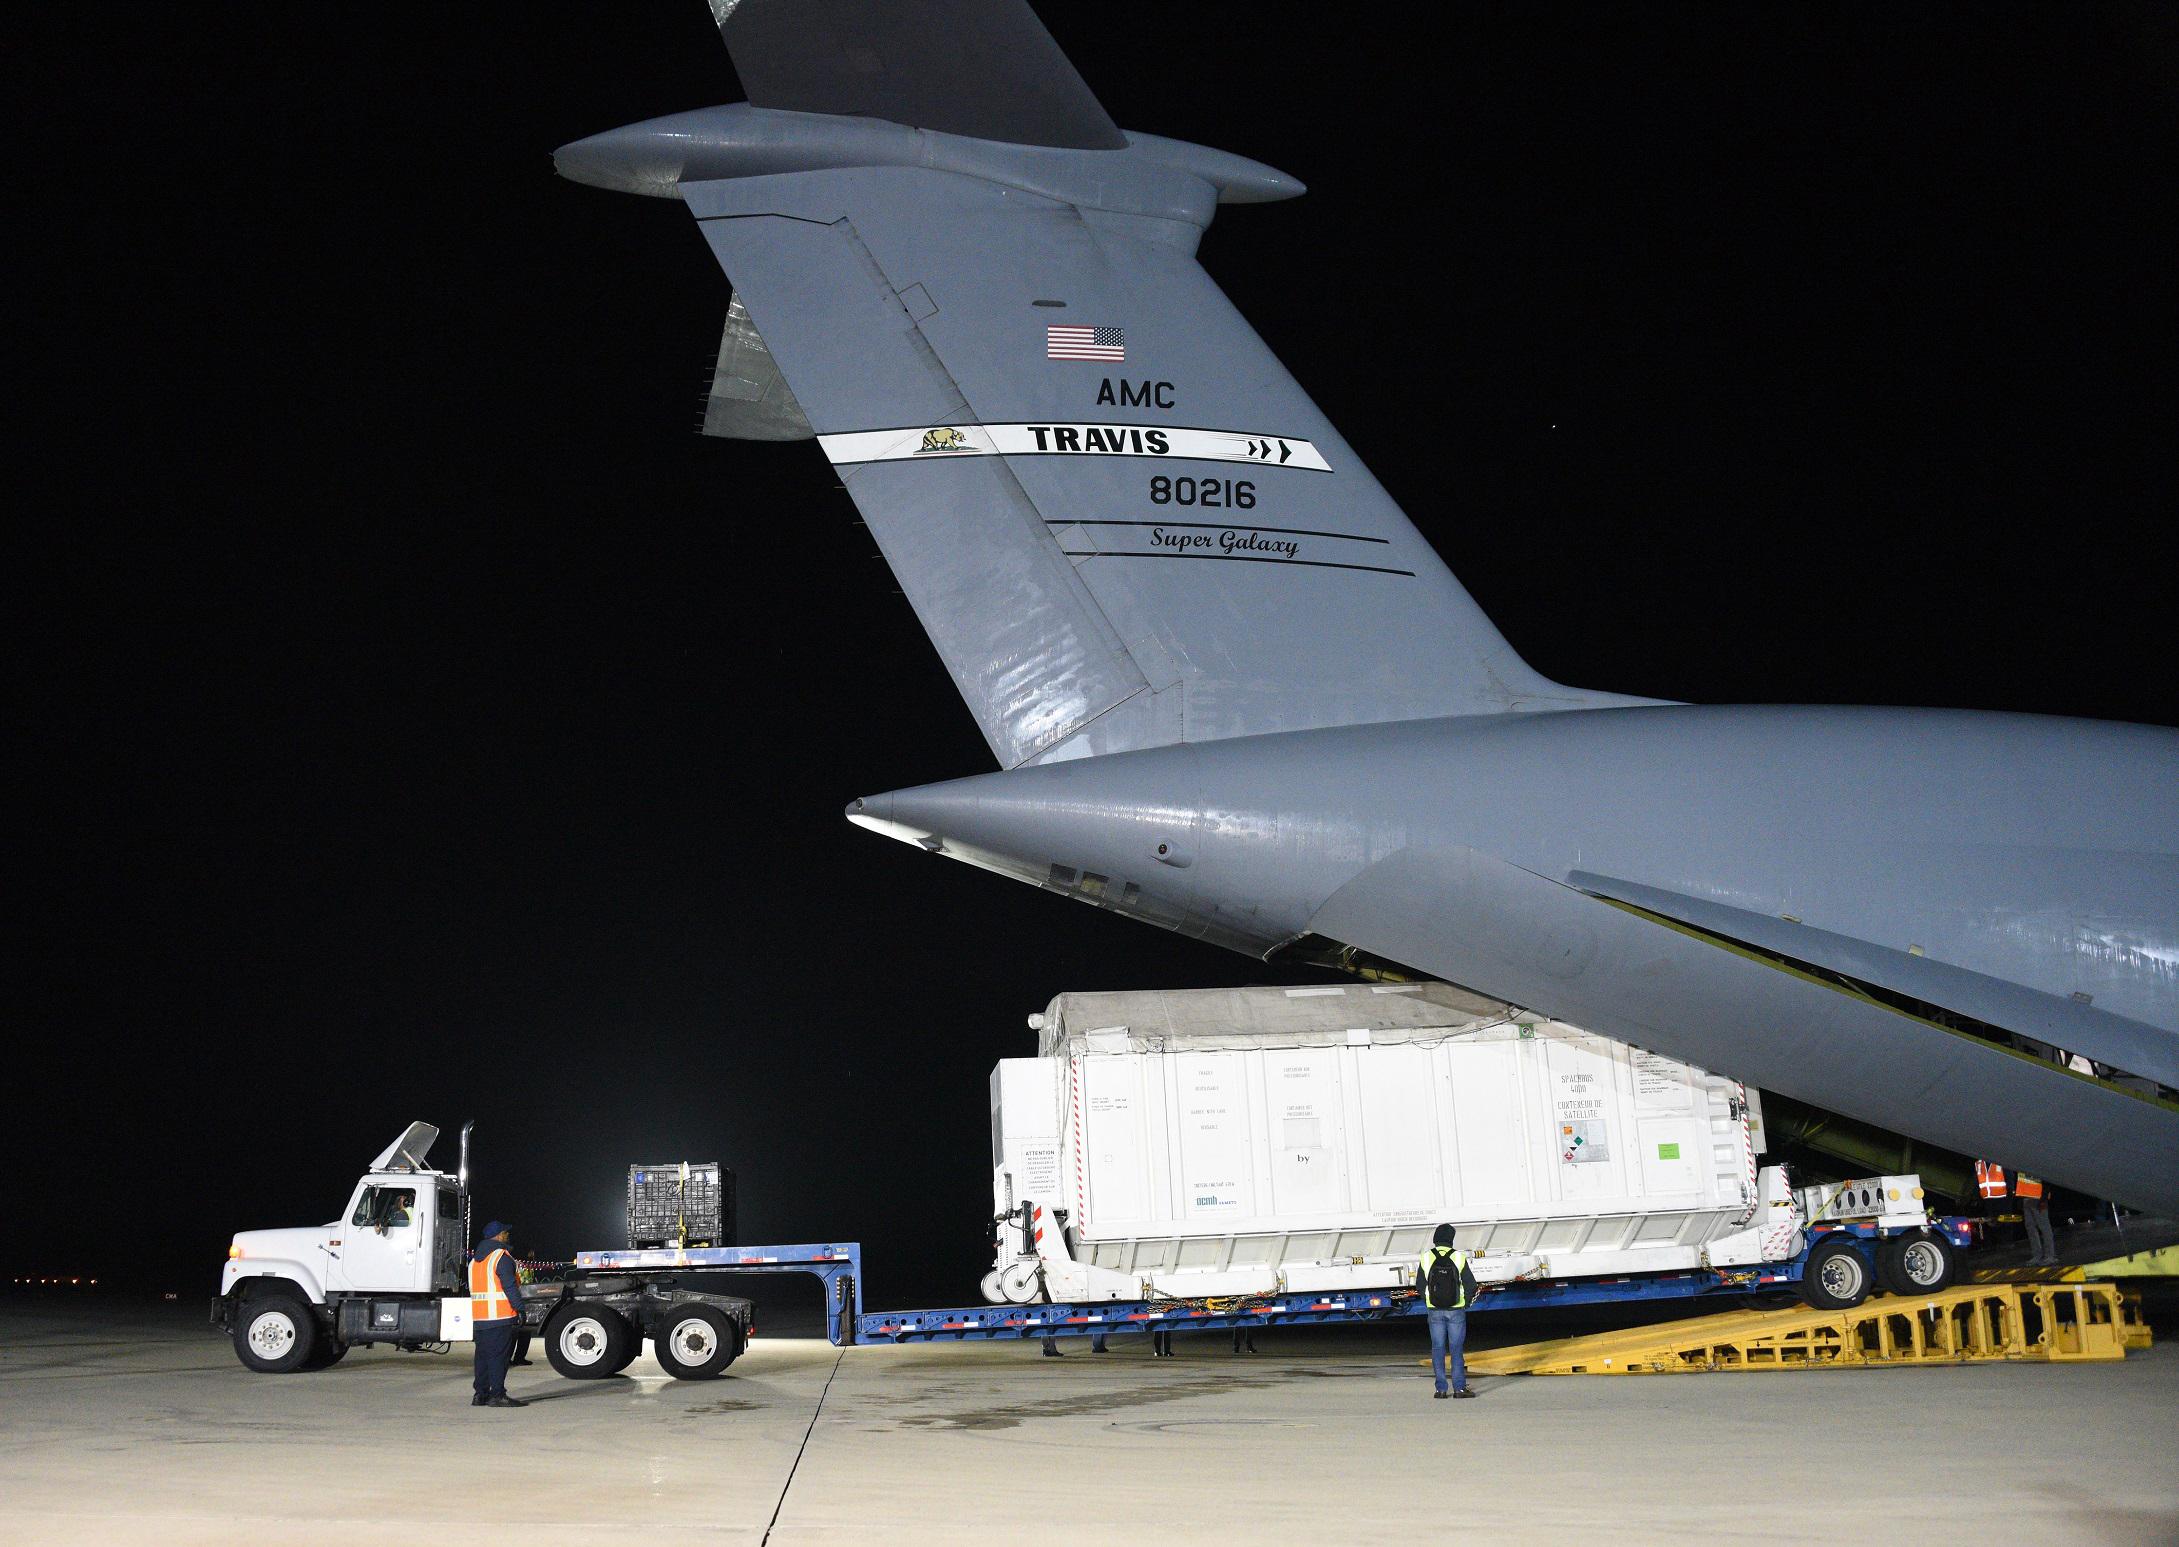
(1120, 520)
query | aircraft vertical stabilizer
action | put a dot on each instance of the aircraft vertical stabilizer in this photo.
(1121, 521)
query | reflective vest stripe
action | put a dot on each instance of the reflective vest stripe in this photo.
(2026, 1186)
(1459, 1260)
(1990, 1179)
(487, 1299)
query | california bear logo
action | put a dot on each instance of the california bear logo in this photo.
(944, 440)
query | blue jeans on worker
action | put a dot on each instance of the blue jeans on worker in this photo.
(1448, 1347)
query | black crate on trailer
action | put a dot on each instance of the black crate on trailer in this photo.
(681, 1203)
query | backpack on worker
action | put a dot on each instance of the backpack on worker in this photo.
(1452, 1286)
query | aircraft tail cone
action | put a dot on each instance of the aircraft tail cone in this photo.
(1121, 833)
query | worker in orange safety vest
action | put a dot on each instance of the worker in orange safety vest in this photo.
(495, 1315)
(1989, 1179)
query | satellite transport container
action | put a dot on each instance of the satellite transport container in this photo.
(1242, 1141)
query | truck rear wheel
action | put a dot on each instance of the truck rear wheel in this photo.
(695, 1342)
(276, 1334)
(589, 1342)
(1918, 1264)
(1837, 1276)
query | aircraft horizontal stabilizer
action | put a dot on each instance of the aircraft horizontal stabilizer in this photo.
(983, 68)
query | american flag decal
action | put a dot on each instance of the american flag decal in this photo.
(1071, 343)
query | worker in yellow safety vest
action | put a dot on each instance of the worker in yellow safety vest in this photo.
(2035, 1214)
(1448, 1288)
(495, 1314)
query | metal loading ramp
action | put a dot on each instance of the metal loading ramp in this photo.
(1969, 1324)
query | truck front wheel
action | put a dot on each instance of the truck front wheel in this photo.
(695, 1342)
(1917, 1264)
(276, 1334)
(589, 1342)
(1837, 1276)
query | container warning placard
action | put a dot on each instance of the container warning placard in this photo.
(1661, 1083)
(1214, 1147)
(1036, 1172)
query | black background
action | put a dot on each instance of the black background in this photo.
(422, 721)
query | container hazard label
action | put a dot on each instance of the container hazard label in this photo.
(1584, 1143)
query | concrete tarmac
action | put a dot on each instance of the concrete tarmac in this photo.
(138, 1426)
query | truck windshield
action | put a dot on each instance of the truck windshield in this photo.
(386, 1208)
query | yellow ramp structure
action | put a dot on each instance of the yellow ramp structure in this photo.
(1967, 1324)
(2160, 1263)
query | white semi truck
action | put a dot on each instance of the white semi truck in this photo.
(393, 1268)
(1204, 1143)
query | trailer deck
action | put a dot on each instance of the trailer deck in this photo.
(838, 1266)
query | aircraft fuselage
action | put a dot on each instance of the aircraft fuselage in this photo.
(1688, 877)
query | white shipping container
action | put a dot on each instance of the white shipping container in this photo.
(1240, 1141)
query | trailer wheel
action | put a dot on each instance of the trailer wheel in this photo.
(589, 1342)
(1918, 1264)
(276, 1334)
(1837, 1276)
(695, 1342)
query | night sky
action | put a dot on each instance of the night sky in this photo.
(422, 721)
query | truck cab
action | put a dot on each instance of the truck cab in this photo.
(402, 1233)
(300, 1297)
(393, 1268)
